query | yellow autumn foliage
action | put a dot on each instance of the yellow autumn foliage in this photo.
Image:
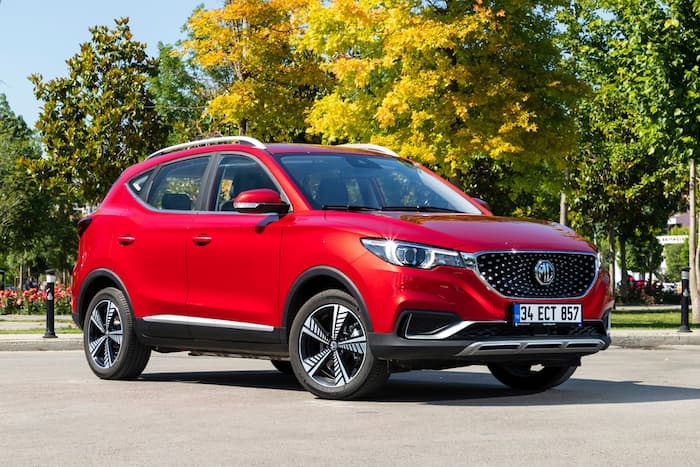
(440, 80)
(260, 84)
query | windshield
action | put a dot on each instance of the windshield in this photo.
(359, 182)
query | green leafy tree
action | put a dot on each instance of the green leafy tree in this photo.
(676, 255)
(36, 231)
(624, 178)
(179, 94)
(645, 257)
(100, 118)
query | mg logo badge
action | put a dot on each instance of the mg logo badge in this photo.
(544, 272)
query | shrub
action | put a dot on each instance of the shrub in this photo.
(33, 301)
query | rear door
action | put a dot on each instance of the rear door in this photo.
(152, 243)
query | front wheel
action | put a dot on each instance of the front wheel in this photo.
(329, 351)
(110, 343)
(531, 377)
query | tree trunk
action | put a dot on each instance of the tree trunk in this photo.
(563, 203)
(624, 283)
(611, 253)
(563, 209)
(692, 245)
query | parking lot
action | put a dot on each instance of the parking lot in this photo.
(624, 406)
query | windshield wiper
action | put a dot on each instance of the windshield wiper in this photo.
(346, 207)
(418, 209)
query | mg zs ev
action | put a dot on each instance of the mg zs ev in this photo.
(340, 264)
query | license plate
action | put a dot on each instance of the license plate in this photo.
(546, 313)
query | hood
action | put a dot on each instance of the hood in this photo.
(479, 233)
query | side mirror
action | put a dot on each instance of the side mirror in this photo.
(262, 200)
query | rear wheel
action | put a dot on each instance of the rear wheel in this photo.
(329, 351)
(532, 377)
(110, 343)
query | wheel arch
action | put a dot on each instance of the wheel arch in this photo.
(92, 284)
(313, 281)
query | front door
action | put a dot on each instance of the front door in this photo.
(233, 258)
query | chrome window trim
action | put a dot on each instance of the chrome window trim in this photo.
(211, 155)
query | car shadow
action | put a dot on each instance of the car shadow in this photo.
(481, 389)
(267, 379)
(455, 388)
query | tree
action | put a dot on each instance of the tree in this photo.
(35, 231)
(625, 178)
(447, 83)
(676, 255)
(100, 118)
(645, 256)
(179, 95)
(261, 84)
(16, 140)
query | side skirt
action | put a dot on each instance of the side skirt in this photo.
(168, 337)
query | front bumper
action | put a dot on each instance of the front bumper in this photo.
(498, 341)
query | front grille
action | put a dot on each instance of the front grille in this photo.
(485, 331)
(512, 274)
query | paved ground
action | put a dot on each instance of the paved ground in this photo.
(68, 341)
(624, 407)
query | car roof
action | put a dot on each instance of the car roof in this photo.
(224, 142)
(293, 148)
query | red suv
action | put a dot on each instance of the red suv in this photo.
(340, 264)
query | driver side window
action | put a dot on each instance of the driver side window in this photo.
(234, 175)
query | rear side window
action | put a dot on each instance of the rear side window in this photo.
(138, 183)
(177, 186)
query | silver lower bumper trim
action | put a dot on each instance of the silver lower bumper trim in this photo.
(532, 346)
(449, 331)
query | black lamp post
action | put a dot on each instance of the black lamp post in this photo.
(685, 299)
(50, 281)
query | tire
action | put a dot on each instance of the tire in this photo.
(111, 347)
(525, 377)
(283, 366)
(329, 351)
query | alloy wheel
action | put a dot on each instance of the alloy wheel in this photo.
(105, 334)
(332, 345)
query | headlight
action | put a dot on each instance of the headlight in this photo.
(412, 254)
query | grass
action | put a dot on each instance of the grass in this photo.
(647, 319)
(58, 331)
(58, 319)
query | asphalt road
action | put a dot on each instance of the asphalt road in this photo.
(624, 407)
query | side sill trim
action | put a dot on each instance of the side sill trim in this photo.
(210, 322)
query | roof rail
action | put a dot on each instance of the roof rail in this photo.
(205, 142)
(371, 147)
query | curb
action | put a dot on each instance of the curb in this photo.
(650, 339)
(28, 342)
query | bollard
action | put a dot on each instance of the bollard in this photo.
(50, 281)
(685, 298)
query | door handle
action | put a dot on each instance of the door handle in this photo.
(201, 240)
(126, 240)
